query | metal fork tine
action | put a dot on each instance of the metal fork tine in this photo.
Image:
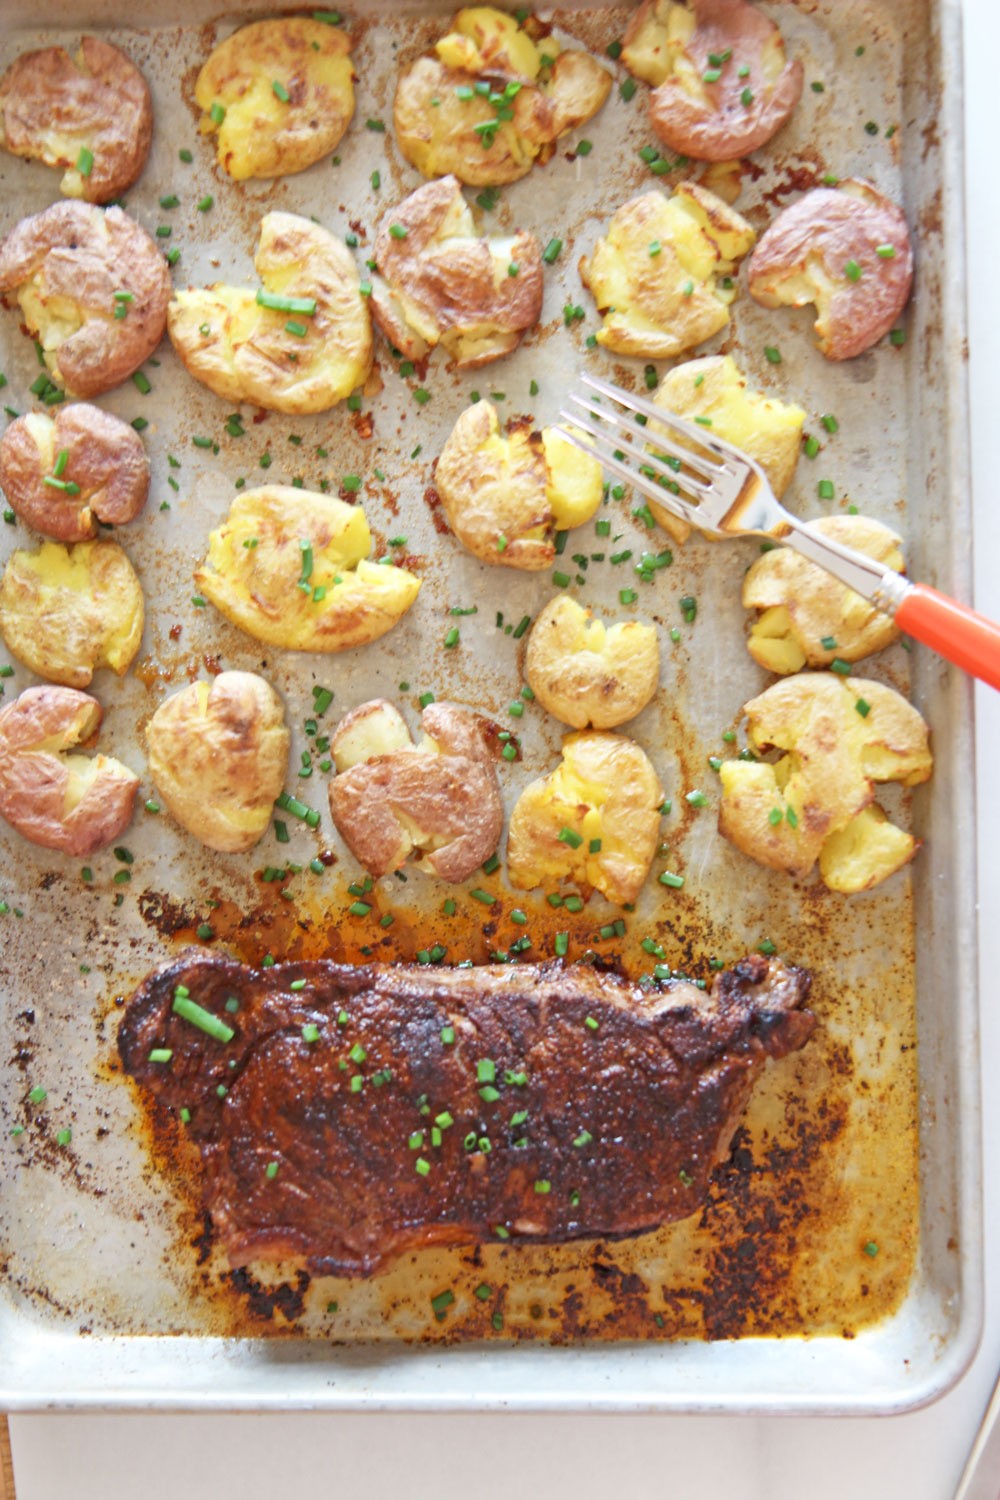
(718, 449)
(569, 429)
(693, 461)
(615, 440)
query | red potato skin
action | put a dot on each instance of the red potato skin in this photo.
(86, 254)
(103, 99)
(836, 226)
(106, 459)
(454, 285)
(727, 128)
(33, 780)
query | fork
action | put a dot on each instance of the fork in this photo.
(721, 490)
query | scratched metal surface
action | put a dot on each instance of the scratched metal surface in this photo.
(766, 1298)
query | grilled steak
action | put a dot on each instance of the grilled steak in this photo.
(355, 1114)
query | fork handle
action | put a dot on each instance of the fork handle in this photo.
(953, 630)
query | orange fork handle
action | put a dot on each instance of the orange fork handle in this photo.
(953, 630)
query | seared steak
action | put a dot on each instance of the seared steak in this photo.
(356, 1114)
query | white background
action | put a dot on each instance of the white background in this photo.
(918, 1457)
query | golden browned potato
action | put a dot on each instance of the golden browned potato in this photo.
(530, 93)
(848, 251)
(594, 820)
(66, 611)
(662, 275)
(586, 674)
(299, 344)
(721, 83)
(767, 429)
(65, 473)
(89, 115)
(807, 617)
(506, 494)
(279, 94)
(76, 803)
(218, 753)
(437, 282)
(291, 567)
(838, 736)
(391, 797)
(73, 267)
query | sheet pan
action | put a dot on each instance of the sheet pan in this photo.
(111, 1295)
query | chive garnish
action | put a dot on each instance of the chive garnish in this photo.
(85, 161)
(190, 1010)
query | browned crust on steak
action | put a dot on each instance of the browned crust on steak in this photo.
(624, 1120)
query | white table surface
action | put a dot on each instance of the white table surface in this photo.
(919, 1456)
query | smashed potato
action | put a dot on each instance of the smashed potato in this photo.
(66, 611)
(73, 268)
(662, 275)
(807, 617)
(300, 344)
(721, 83)
(506, 495)
(594, 820)
(439, 283)
(587, 674)
(91, 116)
(493, 101)
(279, 94)
(845, 249)
(290, 567)
(767, 429)
(65, 473)
(839, 736)
(218, 754)
(75, 803)
(391, 797)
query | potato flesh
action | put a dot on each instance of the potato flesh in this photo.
(767, 429)
(655, 274)
(67, 611)
(262, 135)
(256, 586)
(834, 753)
(605, 790)
(485, 38)
(653, 53)
(51, 320)
(380, 731)
(574, 482)
(802, 607)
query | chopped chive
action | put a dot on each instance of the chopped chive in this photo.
(852, 270)
(216, 114)
(204, 204)
(552, 251)
(304, 305)
(141, 383)
(841, 667)
(772, 355)
(197, 1015)
(85, 161)
(185, 155)
(279, 91)
(825, 489)
(299, 330)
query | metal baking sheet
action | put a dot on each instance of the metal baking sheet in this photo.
(112, 1296)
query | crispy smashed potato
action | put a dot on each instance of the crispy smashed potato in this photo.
(807, 617)
(75, 803)
(530, 92)
(767, 429)
(91, 116)
(66, 611)
(437, 282)
(586, 674)
(594, 820)
(839, 736)
(662, 275)
(391, 797)
(279, 95)
(95, 464)
(296, 360)
(291, 567)
(218, 754)
(73, 267)
(845, 249)
(706, 109)
(506, 495)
